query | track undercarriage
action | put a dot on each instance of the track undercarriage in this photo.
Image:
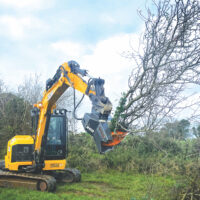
(43, 181)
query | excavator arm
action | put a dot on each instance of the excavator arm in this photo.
(95, 123)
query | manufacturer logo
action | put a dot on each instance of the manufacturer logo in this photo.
(54, 165)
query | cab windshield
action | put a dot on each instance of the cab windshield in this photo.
(55, 131)
(56, 138)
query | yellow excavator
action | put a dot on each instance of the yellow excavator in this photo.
(38, 161)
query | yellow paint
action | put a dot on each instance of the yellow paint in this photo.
(15, 165)
(54, 165)
(18, 139)
(27, 139)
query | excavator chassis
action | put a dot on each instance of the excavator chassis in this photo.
(34, 181)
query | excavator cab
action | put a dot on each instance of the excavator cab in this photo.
(57, 136)
(55, 141)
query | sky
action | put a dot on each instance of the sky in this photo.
(36, 36)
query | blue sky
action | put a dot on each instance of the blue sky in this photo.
(36, 36)
(82, 21)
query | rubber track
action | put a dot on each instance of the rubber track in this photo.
(61, 175)
(75, 172)
(29, 178)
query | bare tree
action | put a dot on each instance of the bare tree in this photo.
(1, 86)
(3, 89)
(31, 92)
(166, 64)
(31, 89)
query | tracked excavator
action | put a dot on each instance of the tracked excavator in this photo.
(37, 161)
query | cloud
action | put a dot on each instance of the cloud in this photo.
(27, 4)
(19, 27)
(108, 53)
(106, 18)
(68, 49)
(106, 61)
(103, 60)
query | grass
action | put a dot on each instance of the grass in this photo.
(103, 186)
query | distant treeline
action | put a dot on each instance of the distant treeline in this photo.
(15, 118)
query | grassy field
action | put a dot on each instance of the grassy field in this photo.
(105, 185)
